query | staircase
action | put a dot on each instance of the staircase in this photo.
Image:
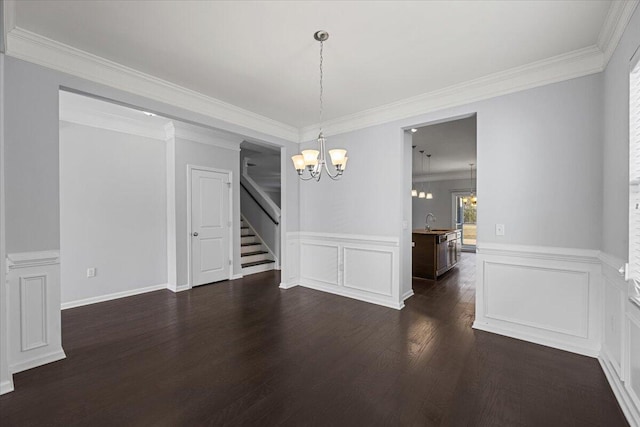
(255, 257)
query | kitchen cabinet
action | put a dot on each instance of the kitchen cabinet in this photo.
(435, 252)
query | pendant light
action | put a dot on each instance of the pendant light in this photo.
(414, 192)
(308, 159)
(472, 199)
(422, 194)
(429, 193)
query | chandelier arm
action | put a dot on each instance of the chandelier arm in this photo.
(335, 176)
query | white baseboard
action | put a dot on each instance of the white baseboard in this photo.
(520, 335)
(37, 361)
(6, 386)
(624, 400)
(407, 295)
(237, 276)
(287, 285)
(343, 293)
(178, 288)
(109, 297)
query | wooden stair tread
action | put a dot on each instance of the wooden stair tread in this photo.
(250, 244)
(251, 264)
(254, 253)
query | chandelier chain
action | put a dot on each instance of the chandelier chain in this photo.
(321, 86)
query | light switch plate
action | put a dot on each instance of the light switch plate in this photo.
(91, 272)
(499, 229)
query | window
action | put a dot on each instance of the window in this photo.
(634, 178)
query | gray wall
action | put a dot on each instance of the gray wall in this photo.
(31, 149)
(112, 212)
(615, 152)
(539, 170)
(5, 378)
(440, 205)
(197, 154)
(367, 199)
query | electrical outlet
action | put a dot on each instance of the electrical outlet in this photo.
(91, 272)
(499, 229)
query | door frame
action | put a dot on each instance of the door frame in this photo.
(190, 169)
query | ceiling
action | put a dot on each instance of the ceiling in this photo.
(452, 146)
(261, 56)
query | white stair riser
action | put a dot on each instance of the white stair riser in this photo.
(253, 258)
(252, 248)
(249, 239)
(258, 268)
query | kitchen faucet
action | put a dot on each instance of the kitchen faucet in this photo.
(433, 218)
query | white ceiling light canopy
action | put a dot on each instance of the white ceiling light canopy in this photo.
(314, 161)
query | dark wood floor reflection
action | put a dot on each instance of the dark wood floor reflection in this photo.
(248, 353)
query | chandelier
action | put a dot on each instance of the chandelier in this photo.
(471, 199)
(314, 161)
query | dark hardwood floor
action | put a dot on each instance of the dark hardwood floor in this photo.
(248, 353)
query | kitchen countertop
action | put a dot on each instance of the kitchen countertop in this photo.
(432, 232)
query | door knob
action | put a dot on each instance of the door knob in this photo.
(195, 234)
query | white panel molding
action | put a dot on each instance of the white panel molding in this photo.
(631, 373)
(549, 253)
(109, 297)
(26, 321)
(8, 24)
(617, 19)
(574, 321)
(631, 412)
(32, 47)
(581, 332)
(353, 256)
(578, 63)
(33, 292)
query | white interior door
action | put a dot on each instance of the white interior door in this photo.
(209, 226)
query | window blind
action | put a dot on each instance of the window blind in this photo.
(634, 179)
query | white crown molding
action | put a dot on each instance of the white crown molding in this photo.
(32, 47)
(617, 19)
(567, 66)
(203, 135)
(8, 21)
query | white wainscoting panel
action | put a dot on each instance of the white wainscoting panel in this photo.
(319, 262)
(33, 292)
(520, 294)
(621, 339)
(549, 296)
(366, 268)
(632, 382)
